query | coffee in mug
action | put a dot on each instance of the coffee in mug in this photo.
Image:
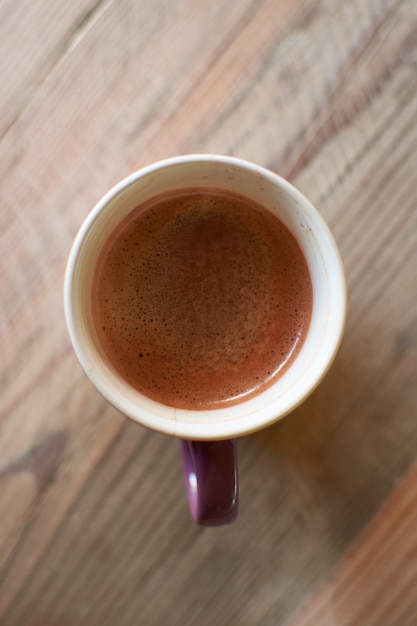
(201, 298)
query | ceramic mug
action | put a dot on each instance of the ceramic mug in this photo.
(208, 436)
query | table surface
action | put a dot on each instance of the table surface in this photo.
(94, 525)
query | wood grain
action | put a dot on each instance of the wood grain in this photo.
(374, 583)
(94, 527)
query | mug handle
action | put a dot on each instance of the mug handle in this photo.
(211, 480)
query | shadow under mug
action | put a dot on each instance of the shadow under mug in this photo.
(208, 436)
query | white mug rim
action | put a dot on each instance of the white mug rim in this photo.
(236, 420)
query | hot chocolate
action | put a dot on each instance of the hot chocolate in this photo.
(201, 299)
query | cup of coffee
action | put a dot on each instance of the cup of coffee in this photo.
(205, 299)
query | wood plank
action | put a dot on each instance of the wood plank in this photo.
(375, 581)
(24, 64)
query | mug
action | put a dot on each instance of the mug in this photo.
(209, 436)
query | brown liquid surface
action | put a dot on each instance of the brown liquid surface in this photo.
(201, 300)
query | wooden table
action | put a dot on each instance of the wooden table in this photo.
(94, 526)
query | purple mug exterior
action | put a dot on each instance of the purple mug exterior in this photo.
(211, 482)
(209, 447)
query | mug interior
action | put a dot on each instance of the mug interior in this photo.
(320, 252)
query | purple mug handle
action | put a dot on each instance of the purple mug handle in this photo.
(210, 473)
